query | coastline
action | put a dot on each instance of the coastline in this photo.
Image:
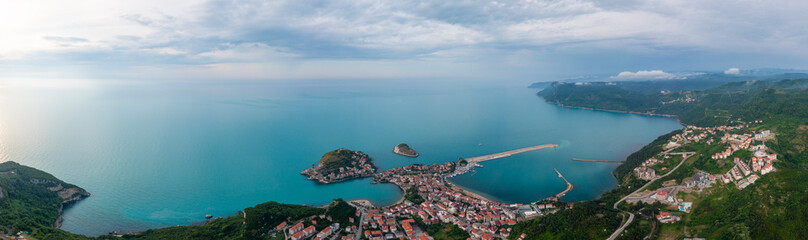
(404, 154)
(616, 111)
(368, 202)
(463, 190)
(470, 193)
(67, 203)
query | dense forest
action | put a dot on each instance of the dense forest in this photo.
(586, 220)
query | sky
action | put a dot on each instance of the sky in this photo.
(530, 40)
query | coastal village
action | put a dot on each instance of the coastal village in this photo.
(442, 203)
(341, 165)
(740, 160)
(435, 202)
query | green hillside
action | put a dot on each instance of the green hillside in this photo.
(776, 207)
(30, 199)
(333, 160)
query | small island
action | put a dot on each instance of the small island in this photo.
(405, 150)
(341, 165)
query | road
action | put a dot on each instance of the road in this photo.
(363, 214)
(631, 217)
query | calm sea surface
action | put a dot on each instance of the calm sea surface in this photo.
(164, 154)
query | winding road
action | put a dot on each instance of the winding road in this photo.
(631, 215)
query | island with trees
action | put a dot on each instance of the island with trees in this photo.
(341, 165)
(405, 150)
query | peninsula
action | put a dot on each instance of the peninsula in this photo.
(32, 200)
(405, 150)
(341, 165)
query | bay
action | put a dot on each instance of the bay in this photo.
(157, 154)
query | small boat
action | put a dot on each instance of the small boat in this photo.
(208, 216)
(480, 144)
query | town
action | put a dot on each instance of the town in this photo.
(740, 158)
(431, 202)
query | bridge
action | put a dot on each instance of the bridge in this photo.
(590, 160)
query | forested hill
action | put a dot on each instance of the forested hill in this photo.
(749, 100)
(30, 200)
(774, 208)
(694, 82)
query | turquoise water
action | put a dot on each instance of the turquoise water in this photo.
(165, 154)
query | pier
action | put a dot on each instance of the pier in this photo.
(591, 160)
(474, 161)
(569, 185)
(508, 153)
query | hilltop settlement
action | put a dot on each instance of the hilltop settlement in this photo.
(341, 165)
(738, 156)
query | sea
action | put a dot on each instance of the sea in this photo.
(166, 153)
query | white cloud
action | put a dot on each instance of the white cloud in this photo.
(492, 33)
(246, 52)
(652, 74)
(164, 51)
(600, 25)
(732, 71)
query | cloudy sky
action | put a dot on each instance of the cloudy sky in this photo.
(334, 39)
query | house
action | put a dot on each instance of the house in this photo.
(766, 134)
(296, 228)
(766, 169)
(645, 173)
(685, 206)
(297, 236)
(325, 232)
(309, 231)
(666, 217)
(280, 226)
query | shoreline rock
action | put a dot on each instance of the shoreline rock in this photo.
(76, 195)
